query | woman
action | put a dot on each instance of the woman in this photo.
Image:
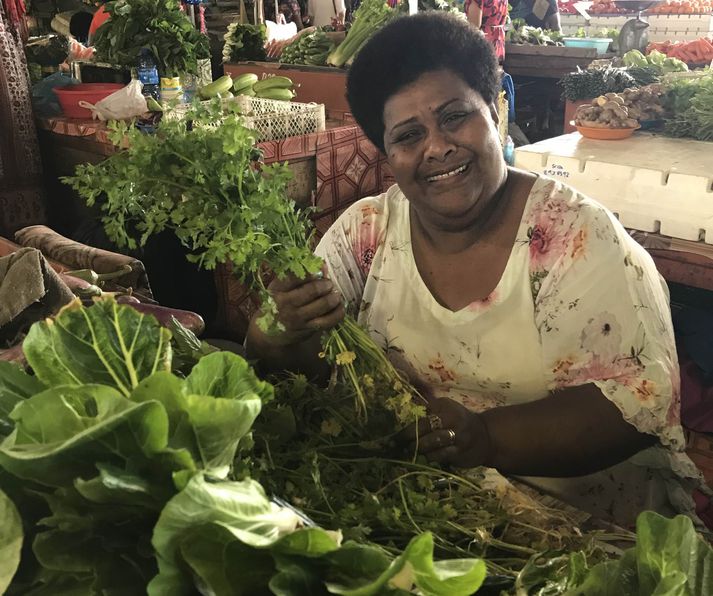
(490, 17)
(21, 193)
(538, 329)
(537, 13)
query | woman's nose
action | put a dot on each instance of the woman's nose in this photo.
(438, 146)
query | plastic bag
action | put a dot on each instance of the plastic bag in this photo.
(44, 101)
(120, 105)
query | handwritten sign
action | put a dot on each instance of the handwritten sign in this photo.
(556, 171)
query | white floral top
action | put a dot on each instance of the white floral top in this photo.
(579, 302)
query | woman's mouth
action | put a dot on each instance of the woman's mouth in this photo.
(449, 173)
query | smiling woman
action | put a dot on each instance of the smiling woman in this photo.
(538, 330)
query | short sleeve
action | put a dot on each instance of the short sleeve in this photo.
(351, 244)
(603, 313)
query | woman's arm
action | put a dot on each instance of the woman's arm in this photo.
(474, 13)
(573, 432)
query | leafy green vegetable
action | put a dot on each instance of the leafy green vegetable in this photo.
(690, 103)
(158, 25)
(244, 41)
(105, 344)
(15, 386)
(10, 541)
(204, 185)
(371, 16)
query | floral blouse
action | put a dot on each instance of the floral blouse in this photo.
(495, 13)
(579, 302)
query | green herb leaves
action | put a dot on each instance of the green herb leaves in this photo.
(158, 25)
(206, 185)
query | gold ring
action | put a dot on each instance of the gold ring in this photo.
(452, 435)
(435, 422)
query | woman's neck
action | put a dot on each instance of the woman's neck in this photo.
(456, 239)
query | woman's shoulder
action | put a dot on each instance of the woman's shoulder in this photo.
(560, 203)
(377, 210)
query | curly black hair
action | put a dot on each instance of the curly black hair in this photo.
(405, 49)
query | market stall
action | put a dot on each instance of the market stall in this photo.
(139, 455)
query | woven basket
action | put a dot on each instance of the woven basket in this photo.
(272, 119)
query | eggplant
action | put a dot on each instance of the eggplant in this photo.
(80, 287)
(188, 319)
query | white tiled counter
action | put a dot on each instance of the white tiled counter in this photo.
(653, 183)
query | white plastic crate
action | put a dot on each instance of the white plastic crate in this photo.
(272, 119)
(652, 183)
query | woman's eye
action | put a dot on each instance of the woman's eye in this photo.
(407, 137)
(454, 118)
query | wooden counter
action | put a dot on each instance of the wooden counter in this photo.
(546, 61)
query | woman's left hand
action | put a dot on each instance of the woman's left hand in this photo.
(450, 434)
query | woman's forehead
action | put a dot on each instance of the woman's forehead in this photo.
(430, 93)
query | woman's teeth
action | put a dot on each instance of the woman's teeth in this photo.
(455, 172)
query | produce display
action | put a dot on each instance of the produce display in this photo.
(593, 82)
(159, 25)
(689, 102)
(312, 49)
(682, 7)
(606, 7)
(607, 111)
(123, 473)
(699, 51)
(274, 87)
(244, 41)
(522, 33)
(371, 16)
(654, 60)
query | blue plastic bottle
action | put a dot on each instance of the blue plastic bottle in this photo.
(148, 75)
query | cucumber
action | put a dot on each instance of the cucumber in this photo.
(277, 93)
(221, 85)
(249, 91)
(153, 105)
(244, 80)
(277, 82)
(226, 95)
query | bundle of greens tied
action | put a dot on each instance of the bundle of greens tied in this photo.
(204, 182)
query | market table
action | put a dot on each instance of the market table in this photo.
(658, 186)
(546, 61)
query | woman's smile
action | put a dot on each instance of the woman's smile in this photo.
(449, 174)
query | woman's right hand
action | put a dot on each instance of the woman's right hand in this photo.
(305, 307)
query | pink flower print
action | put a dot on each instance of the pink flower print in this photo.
(439, 367)
(569, 372)
(479, 305)
(364, 243)
(602, 336)
(547, 242)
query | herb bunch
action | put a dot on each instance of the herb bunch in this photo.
(310, 450)
(204, 182)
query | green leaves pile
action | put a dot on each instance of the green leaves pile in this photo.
(119, 477)
(244, 41)
(690, 103)
(158, 25)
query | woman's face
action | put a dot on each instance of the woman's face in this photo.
(442, 143)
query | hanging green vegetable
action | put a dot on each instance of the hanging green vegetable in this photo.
(158, 25)
(371, 16)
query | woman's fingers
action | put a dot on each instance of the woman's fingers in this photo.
(319, 307)
(327, 321)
